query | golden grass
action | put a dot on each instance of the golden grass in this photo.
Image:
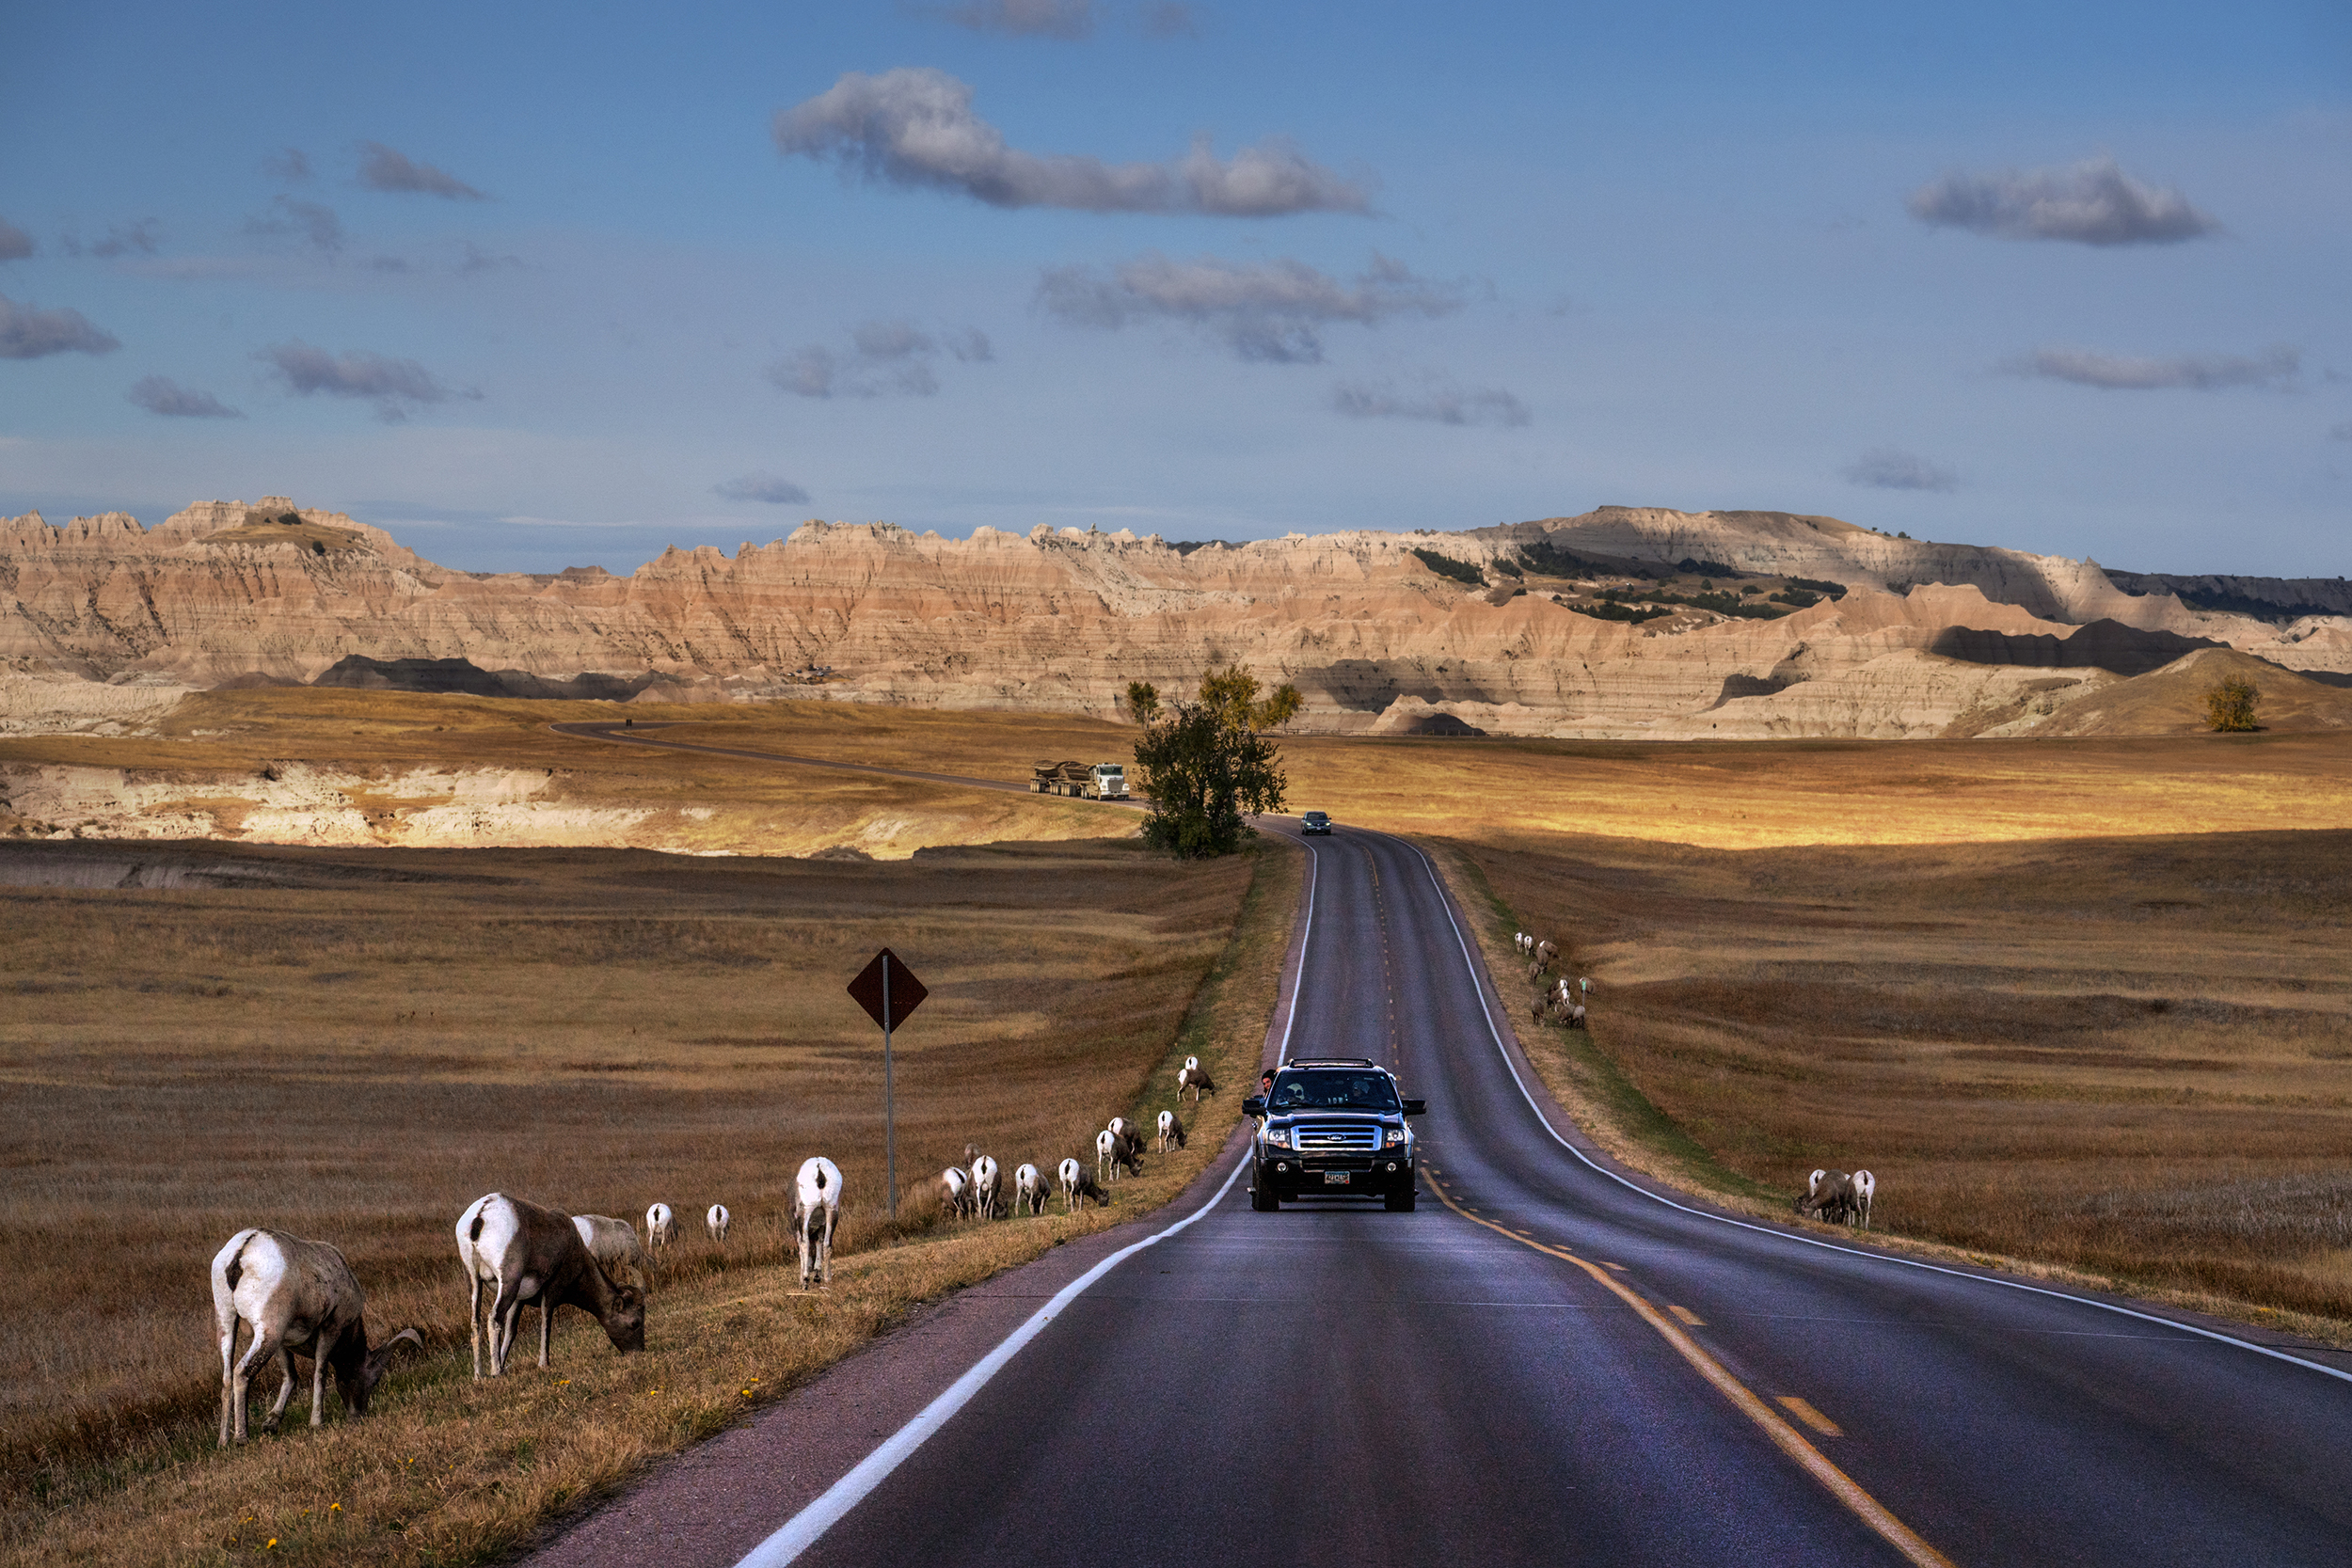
(2129, 1056)
(1762, 795)
(356, 1055)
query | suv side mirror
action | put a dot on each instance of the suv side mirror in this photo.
(1253, 1106)
(1417, 1107)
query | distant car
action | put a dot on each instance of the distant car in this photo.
(1315, 822)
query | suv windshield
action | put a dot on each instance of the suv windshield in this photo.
(1325, 1090)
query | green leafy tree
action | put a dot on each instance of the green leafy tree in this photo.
(1207, 767)
(2229, 707)
(1143, 700)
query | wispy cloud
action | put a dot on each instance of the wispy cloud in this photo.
(120, 238)
(773, 489)
(887, 357)
(1892, 468)
(314, 225)
(1435, 399)
(1170, 18)
(2089, 203)
(385, 168)
(2203, 373)
(290, 164)
(1050, 19)
(914, 127)
(28, 333)
(393, 385)
(1273, 312)
(160, 394)
(15, 244)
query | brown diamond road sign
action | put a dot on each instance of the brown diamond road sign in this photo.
(888, 990)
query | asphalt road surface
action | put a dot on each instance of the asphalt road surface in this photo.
(1542, 1364)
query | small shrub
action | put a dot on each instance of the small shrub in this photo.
(1446, 567)
(2229, 706)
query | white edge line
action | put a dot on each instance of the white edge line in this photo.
(803, 1528)
(1477, 986)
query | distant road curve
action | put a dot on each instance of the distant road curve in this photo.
(637, 734)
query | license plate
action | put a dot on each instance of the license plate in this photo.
(1336, 1178)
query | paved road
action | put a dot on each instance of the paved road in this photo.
(1547, 1366)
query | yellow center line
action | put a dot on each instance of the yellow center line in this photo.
(1687, 1316)
(1803, 1411)
(1785, 1437)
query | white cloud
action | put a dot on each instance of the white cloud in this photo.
(1269, 311)
(1892, 468)
(2203, 372)
(29, 333)
(887, 357)
(385, 168)
(914, 126)
(1437, 399)
(393, 385)
(315, 225)
(2089, 203)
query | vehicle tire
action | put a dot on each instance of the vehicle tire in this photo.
(1262, 1198)
(1402, 1203)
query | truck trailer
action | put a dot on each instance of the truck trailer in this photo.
(1098, 781)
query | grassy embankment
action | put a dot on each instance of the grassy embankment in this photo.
(2080, 1005)
(358, 1052)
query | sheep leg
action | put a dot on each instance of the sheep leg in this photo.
(505, 1314)
(321, 1346)
(254, 1354)
(473, 1327)
(227, 1375)
(285, 1388)
(546, 1319)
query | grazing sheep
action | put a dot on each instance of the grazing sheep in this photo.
(1119, 1146)
(660, 1227)
(526, 1252)
(300, 1299)
(1865, 1187)
(1118, 1127)
(1194, 1079)
(1105, 1150)
(614, 1246)
(1525, 943)
(1028, 1190)
(955, 1191)
(1576, 1015)
(816, 1209)
(1546, 952)
(1172, 1130)
(1829, 1195)
(717, 1219)
(988, 1187)
(1077, 1185)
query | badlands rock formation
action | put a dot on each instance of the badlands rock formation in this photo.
(1062, 620)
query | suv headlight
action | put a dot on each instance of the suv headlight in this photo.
(1278, 1137)
(1392, 1136)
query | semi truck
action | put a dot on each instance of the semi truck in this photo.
(1096, 780)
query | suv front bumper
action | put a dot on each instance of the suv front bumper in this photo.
(1288, 1174)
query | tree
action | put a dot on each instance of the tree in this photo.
(1207, 767)
(1143, 700)
(2229, 707)
(1233, 691)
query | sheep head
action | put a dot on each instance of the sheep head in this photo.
(625, 1320)
(357, 1383)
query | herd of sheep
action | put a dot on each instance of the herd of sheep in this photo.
(1829, 1195)
(300, 1297)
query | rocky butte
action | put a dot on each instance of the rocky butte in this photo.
(1727, 625)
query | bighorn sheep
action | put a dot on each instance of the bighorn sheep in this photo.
(955, 1191)
(816, 1209)
(1113, 1149)
(526, 1252)
(1078, 1184)
(1193, 1079)
(988, 1187)
(1865, 1187)
(614, 1246)
(718, 1219)
(1172, 1130)
(1546, 952)
(300, 1299)
(1028, 1190)
(1525, 943)
(660, 1227)
(1829, 1195)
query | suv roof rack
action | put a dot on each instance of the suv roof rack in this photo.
(1331, 1061)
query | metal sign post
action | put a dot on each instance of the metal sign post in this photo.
(888, 991)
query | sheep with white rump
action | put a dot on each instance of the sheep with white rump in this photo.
(300, 1299)
(1194, 1079)
(1028, 1190)
(717, 1220)
(660, 1227)
(955, 1191)
(816, 1209)
(988, 1187)
(1171, 1132)
(1078, 1184)
(526, 1253)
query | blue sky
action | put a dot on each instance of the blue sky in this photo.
(559, 285)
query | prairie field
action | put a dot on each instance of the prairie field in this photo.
(353, 1044)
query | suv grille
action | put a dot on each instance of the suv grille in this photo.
(1309, 1136)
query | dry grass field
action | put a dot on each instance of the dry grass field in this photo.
(2126, 1055)
(353, 1044)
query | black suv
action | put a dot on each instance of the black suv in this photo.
(1333, 1127)
(1315, 822)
